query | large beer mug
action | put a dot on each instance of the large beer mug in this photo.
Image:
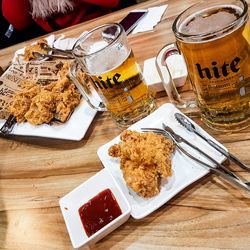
(213, 37)
(105, 56)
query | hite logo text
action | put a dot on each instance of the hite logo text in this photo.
(108, 82)
(218, 71)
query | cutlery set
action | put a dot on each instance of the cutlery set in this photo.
(190, 127)
(215, 167)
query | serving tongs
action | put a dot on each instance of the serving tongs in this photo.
(191, 127)
(41, 56)
(53, 53)
(54, 50)
(218, 168)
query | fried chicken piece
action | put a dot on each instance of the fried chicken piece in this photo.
(41, 109)
(61, 85)
(28, 52)
(65, 69)
(22, 100)
(20, 106)
(66, 100)
(144, 160)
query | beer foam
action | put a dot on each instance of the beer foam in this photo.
(107, 59)
(210, 20)
(97, 46)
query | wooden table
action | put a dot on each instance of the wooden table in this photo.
(36, 172)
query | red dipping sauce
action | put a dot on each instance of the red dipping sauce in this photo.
(99, 211)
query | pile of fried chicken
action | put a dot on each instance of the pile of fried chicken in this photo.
(145, 158)
(39, 104)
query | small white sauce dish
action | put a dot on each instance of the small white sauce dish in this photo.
(71, 202)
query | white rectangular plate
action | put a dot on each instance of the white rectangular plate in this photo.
(185, 171)
(74, 129)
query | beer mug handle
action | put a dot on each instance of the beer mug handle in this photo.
(85, 90)
(166, 78)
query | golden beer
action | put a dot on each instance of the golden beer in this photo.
(219, 64)
(105, 56)
(124, 92)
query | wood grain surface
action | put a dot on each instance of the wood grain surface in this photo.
(36, 172)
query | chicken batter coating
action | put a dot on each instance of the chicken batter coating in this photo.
(37, 47)
(144, 160)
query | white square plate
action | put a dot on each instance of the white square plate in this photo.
(185, 171)
(73, 129)
(71, 202)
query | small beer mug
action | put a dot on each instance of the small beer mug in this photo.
(213, 37)
(105, 56)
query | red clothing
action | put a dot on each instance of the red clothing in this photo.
(17, 13)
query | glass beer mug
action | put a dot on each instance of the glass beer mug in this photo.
(213, 37)
(112, 72)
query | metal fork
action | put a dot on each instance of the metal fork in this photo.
(218, 169)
